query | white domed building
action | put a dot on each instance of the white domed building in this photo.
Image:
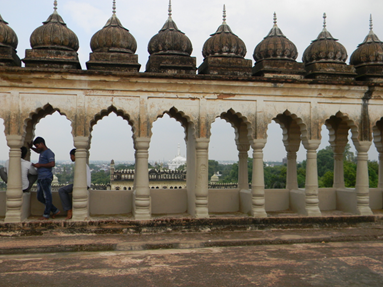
(177, 161)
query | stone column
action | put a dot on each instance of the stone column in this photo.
(338, 148)
(14, 193)
(362, 180)
(380, 182)
(258, 180)
(311, 189)
(338, 171)
(141, 194)
(202, 179)
(291, 174)
(243, 178)
(80, 190)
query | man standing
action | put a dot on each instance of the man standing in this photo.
(66, 191)
(45, 177)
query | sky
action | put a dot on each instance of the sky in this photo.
(300, 20)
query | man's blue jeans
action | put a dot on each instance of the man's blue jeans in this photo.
(44, 195)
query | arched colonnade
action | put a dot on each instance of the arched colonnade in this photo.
(299, 107)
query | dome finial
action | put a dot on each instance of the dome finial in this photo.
(224, 14)
(55, 5)
(114, 7)
(370, 22)
(324, 20)
(170, 9)
(275, 19)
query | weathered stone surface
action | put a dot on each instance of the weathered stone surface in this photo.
(8, 57)
(330, 71)
(51, 58)
(279, 68)
(225, 66)
(171, 64)
(113, 61)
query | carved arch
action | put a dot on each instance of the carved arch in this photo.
(338, 125)
(236, 120)
(119, 112)
(180, 117)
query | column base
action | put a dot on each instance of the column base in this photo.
(313, 211)
(258, 213)
(201, 212)
(79, 216)
(142, 216)
(363, 210)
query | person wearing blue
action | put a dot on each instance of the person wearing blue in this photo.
(45, 177)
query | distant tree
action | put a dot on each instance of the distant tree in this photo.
(181, 167)
(325, 159)
(326, 180)
(101, 177)
(373, 173)
(213, 167)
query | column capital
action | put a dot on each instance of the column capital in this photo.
(14, 141)
(202, 143)
(258, 143)
(81, 142)
(142, 143)
(362, 146)
(311, 144)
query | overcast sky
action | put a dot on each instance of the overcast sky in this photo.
(300, 20)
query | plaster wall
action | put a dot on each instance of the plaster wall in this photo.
(327, 199)
(110, 202)
(297, 201)
(223, 200)
(346, 200)
(376, 198)
(277, 199)
(169, 201)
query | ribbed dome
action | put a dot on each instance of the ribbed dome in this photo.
(275, 46)
(224, 43)
(170, 40)
(325, 49)
(54, 34)
(113, 38)
(370, 51)
(8, 37)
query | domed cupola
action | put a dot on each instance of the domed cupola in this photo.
(326, 57)
(170, 50)
(275, 55)
(275, 46)
(8, 45)
(224, 43)
(368, 57)
(53, 44)
(224, 53)
(113, 47)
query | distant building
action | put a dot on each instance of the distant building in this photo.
(177, 161)
(158, 178)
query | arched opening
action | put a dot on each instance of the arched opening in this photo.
(111, 151)
(112, 162)
(55, 128)
(229, 149)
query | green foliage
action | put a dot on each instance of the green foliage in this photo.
(123, 166)
(101, 177)
(275, 176)
(349, 173)
(181, 167)
(325, 159)
(326, 180)
(373, 173)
